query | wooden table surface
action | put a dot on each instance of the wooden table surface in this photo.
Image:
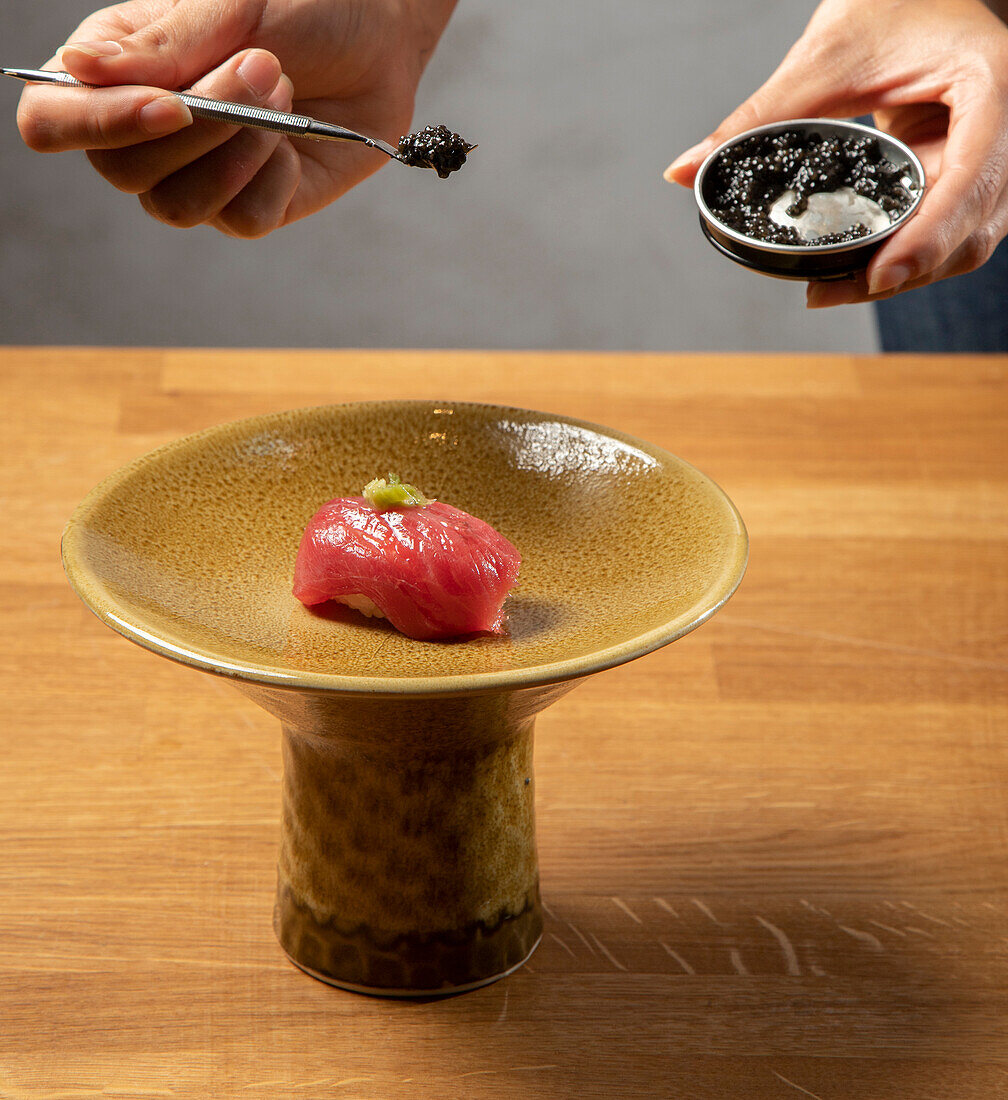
(774, 854)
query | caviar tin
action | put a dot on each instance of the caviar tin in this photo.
(806, 261)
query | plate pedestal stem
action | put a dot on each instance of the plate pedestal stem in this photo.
(408, 859)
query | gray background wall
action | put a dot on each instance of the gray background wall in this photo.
(559, 233)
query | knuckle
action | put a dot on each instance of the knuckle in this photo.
(814, 52)
(35, 131)
(262, 207)
(168, 210)
(229, 179)
(236, 173)
(746, 116)
(157, 38)
(987, 71)
(935, 238)
(929, 255)
(248, 221)
(153, 36)
(99, 130)
(979, 246)
(987, 187)
(288, 163)
(120, 168)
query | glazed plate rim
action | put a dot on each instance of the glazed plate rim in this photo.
(126, 621)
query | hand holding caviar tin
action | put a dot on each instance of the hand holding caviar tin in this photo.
(807, 198)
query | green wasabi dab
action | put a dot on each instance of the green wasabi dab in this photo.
(393, 493)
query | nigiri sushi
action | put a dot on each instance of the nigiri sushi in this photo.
(432, 570)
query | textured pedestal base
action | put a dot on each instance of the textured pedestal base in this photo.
(407, 856)
(406, 965)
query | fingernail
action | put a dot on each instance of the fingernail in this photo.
(888, 278)
(822, 295)
(164, 115)
(813, 296)
(96, 49)
(691, 156)
(282, 96)
(259, 71)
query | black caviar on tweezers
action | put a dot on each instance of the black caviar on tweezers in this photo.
(746, 179)
(434, 147)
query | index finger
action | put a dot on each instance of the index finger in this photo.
(55, 119)
(798, 88)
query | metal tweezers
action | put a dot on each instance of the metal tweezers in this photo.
(240, 114)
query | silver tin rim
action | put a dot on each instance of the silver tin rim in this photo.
(839, 125)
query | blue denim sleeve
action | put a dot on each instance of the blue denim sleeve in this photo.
(964, 313)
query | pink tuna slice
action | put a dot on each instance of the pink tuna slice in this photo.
(433, 571)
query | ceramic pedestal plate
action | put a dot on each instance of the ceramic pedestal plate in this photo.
(407, 859)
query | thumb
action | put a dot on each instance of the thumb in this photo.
(172, 52)
(797, 89)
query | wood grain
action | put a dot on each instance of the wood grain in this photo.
(774, 855)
